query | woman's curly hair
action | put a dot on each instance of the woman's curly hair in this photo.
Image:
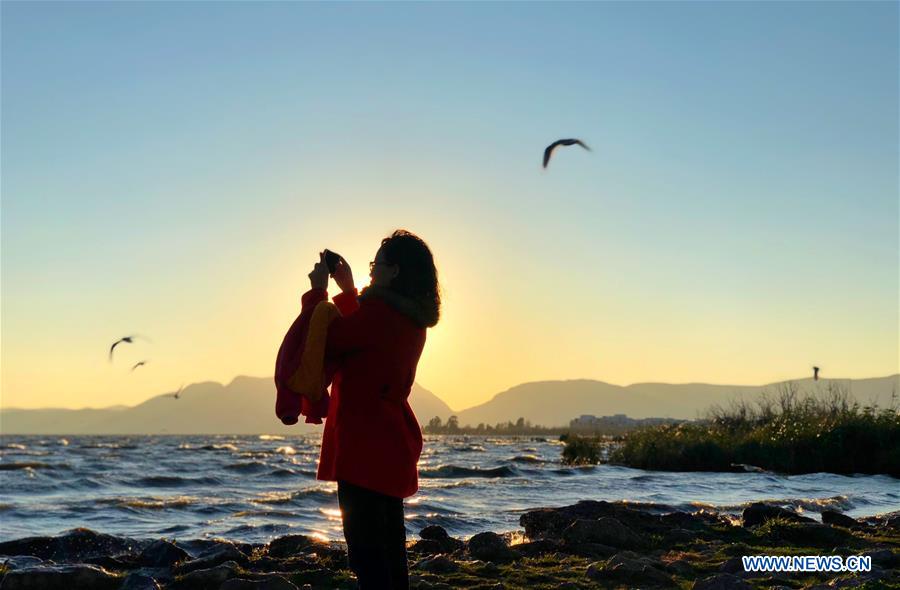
(417, 278)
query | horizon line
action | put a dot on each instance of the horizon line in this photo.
(122, 407)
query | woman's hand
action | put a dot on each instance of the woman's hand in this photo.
(318, 278)
(343, 276)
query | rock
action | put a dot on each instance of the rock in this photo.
(607, 531)
(591, 550)
(434, 533)
(738, 549)
(162, 553)
(680, 536)
(198, 548)
(866, 579)
(721, 582)
(551, 522)
(272, 564)
(291, 545)
(208, 579)
(273, 582)
(139, 582)
(487, 568)
(20, 561)
(328, 556)
(733, 565)
(213, 557)
(837, 519)
(539, 547)
(317, 577)
(892, 522)
(682, 520)
(680, 567)
(489, 547)
(758, 513)
(60, 577)
(884, 558)
(426, 547)
(451, 544)
(439, 564)
(809, 534)
(123, 562)
(630, 568)
(73, 546)
(433, 546)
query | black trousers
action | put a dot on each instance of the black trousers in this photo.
(376, 537)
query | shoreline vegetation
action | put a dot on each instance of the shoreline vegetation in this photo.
(583, 546)
(791, 432)
(603, 425)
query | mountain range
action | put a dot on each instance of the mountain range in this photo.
(246, 406)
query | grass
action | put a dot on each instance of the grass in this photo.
(789, 433)
(580, 450)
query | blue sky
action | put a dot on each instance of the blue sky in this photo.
(172, 168)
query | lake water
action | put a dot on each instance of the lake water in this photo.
(254, 488)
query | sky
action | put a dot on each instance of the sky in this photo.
(172, 169)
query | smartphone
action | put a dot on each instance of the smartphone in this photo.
(331, 260)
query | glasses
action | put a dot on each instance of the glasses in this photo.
(375, 263)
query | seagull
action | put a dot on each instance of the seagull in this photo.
(815, 373)
(549, 151)
(128, 339)
(136, 365)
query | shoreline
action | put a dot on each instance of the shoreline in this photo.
(591, 544)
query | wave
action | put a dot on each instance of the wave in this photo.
(455, 471)
(420, 521)
(31, 465)
(527, 459)
(286, 450)
(264, 513)
(16, 446)
(247, 467)
(321, 494)
(225, 447)
(644, 477)
(269, 529)
(469, 449)
(841, 503)
(84, 482)
(150, 503)
(162, 481)
(270, 437)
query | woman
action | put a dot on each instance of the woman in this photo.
(372, 441)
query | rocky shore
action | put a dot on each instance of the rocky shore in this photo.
(586, 545)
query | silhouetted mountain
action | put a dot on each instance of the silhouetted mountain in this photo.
(244, 406)
(555, 403)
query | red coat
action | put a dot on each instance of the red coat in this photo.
(372, 438)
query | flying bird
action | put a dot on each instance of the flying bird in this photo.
(128, 339)
(549, 151)
(136, 365)
(815, 373)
